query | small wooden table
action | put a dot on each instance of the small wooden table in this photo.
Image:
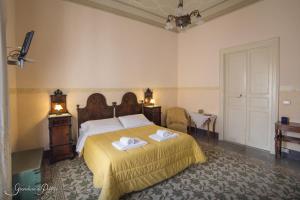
(279, 128)
(60, 137)
(209, 122)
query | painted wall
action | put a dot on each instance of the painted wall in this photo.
(82, 50)
(199, 51)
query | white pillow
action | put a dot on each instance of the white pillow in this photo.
(101, 126)
(131, 121)
(95, 127)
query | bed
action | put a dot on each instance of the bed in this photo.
(118, 172)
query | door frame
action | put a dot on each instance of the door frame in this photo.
(5, 152)
(275, 46)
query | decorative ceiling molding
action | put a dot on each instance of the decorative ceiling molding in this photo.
(155, 12)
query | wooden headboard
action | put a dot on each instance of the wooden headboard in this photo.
(96, 108)
(129, 105)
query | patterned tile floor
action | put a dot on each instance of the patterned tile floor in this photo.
(232, 172)
(285, 162)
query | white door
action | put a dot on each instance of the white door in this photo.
(248, 96)
(259, 90)
(235, 101)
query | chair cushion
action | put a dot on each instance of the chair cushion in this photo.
(178, 127)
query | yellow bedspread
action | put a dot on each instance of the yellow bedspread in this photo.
(119, 172)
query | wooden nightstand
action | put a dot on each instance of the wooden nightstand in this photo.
(153, 113)
(61, 144)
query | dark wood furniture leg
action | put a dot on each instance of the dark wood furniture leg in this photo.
(214, 127)
(278, 138)
(208, 132)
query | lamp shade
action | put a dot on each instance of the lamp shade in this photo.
(58, 107)
(152, 101)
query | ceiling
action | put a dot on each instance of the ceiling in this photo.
(155, 12)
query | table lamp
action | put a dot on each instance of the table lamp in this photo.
(58, 103)
(58, 108)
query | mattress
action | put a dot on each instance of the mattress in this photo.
(119, 172)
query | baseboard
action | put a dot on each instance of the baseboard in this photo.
(202, 132)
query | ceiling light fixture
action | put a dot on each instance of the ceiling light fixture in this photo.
(181, 21)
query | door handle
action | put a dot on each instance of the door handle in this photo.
(240, 96)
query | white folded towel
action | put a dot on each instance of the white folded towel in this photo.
(163, 133)
(127, 140)
(160, 139)
(137, 143)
